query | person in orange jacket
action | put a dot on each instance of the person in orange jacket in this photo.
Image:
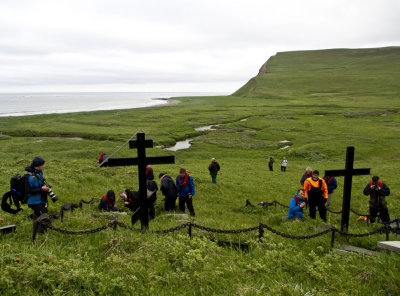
(316, 192)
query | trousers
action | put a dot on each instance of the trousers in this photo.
(314, 201)
(189, 203)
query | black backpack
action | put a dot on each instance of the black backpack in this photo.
(16, 195)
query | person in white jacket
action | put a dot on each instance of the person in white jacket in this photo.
(284, 164)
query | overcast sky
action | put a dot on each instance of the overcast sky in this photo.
(173, 45)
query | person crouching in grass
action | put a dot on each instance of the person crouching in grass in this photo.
(297, 205)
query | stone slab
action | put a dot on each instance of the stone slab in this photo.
(390, 245)
(339, 251)
(180, 216)
(360, 250)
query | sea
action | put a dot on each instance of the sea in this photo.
(22, 104)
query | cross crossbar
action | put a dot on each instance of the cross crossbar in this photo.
(343, 172)
(112, 162)
(348, 174)
(141, 161)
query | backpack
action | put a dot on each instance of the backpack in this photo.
(16, 195)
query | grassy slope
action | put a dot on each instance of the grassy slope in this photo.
(358, 93)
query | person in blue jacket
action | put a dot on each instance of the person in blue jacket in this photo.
(297, 205)
(35, 187)
(185, 186)
(331, 183)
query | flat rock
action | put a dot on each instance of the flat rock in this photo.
(360, 250)
(390, 245)
(339, 251)
(181, 216)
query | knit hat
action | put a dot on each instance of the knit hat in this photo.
(110, 194)
(316, 172)
(37, 161)
(160, 175)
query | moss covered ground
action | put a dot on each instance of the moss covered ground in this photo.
(321, 102)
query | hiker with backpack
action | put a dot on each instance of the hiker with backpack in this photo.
(331, 183)
(377, 190)
(306, 175)
(185, 185)
(103, 157)
(36, 189)
(169, 191)
(316, 192)
(297, 205)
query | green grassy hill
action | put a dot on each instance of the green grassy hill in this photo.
(334, 75)
(315, 102)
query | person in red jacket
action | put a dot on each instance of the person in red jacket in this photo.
(377, 190)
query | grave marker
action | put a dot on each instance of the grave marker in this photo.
(348, 174)
(141, 161)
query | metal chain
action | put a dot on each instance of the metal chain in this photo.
(334, 212)
(209, 229)
(297, 236)
(65, 231)
(282, 205)
(381, 229)
(172, 229)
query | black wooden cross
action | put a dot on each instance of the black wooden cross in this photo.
(141, 161)
(348, 174)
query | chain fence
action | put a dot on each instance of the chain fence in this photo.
(386, 228)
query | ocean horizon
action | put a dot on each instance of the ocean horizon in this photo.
(24, 104)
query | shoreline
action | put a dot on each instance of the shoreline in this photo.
(162, 102)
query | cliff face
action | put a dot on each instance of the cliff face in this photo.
(334, 71)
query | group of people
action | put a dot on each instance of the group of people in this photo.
(283, 164)
(317, 192)
(183, 189)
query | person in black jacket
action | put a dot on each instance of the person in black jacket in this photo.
(377, 190)
(152, 189)
(214, 169)
(132, 202)
(107, 203)
(168, 189)
(149, 173)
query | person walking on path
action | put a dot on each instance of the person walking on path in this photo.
(331, 183)
(214, 169)
(271, 164)
(377, 190)
(185, 185)
(316, 192)
(306, 175)
(283, 164)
